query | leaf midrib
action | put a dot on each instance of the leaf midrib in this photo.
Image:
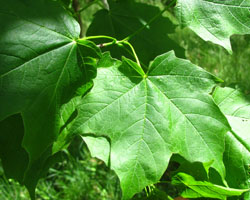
(60, 76)
(44, 27)
(108, 105)
(143, 131)
(187, 120)
(32, 59)
(225, 5)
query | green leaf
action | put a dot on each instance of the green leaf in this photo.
(67, 3)
(149, 119)
(14, 157)
(99, 147)
(126, 17)
(236, 106)
(215, 20)
(34, 66)
(196, 189)
(196, 169)
(41, 67)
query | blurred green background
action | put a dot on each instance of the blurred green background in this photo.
(81, 177)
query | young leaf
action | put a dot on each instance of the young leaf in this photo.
(147, 119)
(215, 20)
(236, 106)
(124, 18)
(196, 189)
(41, 66)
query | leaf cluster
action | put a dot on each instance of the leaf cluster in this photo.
(127, 90)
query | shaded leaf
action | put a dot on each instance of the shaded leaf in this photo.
(41, 67)
(14, 157)
(126, 17)
(196, 169)
(196, 189)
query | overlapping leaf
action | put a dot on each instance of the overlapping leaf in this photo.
(236, 107)
(148, 117)
(14, 157)
(196, 189)
(41, 66)
(99, 147)
(215, 20)
(124, 18)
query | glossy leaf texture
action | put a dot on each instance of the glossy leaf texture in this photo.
(148, 118)
(41, 67)
(196, 189)
(125, 18)
(236, 106)
(215, 20)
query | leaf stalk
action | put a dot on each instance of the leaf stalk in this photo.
(114, 41)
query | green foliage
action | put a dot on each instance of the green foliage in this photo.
(78, 177)
(59, 70)
(124, 18)
(236, 107)
(137, 117)
(148, 124)
(215, 20)
(233, 69)
(13, 155)
(10, 189)
(196, 189)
